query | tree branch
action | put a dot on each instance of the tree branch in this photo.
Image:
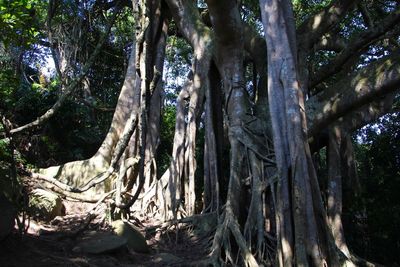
(51, 10)
(365, 14)
(70, 88)
(368, 113)
(367, 85)
(330, 43)
(316, 26)
(189, 22)
(353, 48)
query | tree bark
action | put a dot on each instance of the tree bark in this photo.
(200, 37)
(77, 173)
(335, 189)
(213, 143)
(301, 239)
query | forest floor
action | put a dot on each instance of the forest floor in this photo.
(53, 243)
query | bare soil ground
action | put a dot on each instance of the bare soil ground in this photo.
(53, 243)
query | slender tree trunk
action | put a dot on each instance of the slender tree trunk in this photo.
(156, 91)
(335, 189)
(213, 143)
(175, 171)
(199, 36)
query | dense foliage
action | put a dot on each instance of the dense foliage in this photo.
(372, 218)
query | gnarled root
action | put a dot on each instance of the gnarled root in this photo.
(77, 173)
(222, 244)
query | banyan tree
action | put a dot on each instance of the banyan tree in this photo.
(271, 83)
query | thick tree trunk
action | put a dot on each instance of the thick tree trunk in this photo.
(301, 237)
(244, 156)
(154, 113)
(78, 173)
(142, 82)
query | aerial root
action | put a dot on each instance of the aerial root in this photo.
(222, 244)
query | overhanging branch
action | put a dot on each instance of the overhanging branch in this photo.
(316, 26)
(365, 86)
(353, 48)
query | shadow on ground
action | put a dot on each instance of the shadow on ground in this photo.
(54, 244)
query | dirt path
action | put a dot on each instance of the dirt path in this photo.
(53, 243)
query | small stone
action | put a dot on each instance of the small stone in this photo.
(100, 243)
(134, 237)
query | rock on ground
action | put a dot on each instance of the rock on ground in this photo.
(135, 239)
(100, 242)
(45, 205)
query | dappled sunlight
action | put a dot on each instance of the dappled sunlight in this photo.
(331, 105)
(339, 235)
(361, 84)
(60, 241)
(197, 80)
(77, 173)
(286, 248)
(331, 199)
(316, 255)
(317, 21)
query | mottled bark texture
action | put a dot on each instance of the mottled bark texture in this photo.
(301, 237)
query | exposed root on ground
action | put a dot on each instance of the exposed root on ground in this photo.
(73, 174)
(222, 252)
(180, 243)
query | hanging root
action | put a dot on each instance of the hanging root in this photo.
(156, 202)
(206, 223)
(362, 262)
